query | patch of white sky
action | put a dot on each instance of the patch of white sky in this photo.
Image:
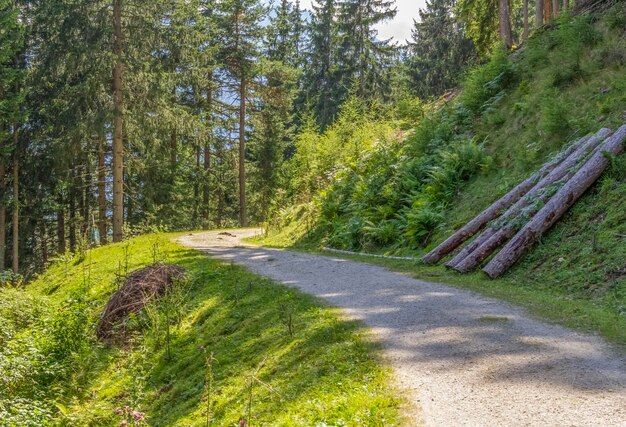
(399, 28)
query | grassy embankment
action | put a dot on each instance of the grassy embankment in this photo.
(270, 354)
(568, 80)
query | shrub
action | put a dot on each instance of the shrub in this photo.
(487, 81)
(554, 114)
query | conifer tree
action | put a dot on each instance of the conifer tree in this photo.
(321, 85)
(241, 34)
(439, 49)
(364, 58)
(12, 48)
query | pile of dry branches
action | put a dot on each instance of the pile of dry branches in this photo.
(138, 289)
(522, 215)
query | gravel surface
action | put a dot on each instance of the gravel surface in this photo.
(464, 359)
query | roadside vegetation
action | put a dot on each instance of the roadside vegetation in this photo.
(402, 196)
(222, 347)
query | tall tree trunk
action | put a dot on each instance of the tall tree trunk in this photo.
(505, 23)
(207, 156)
(72, 215)
(547, 10)
(43, 231)
(220, 190)
(118, 123)
(60, 227)
(538, 13)
(243, 222)
(3, 215)
(196, 187)
(16, 203)
(102, 197)
(555, 8)
(526, 26)
(82, 220)
(87, 195)
(173, 149)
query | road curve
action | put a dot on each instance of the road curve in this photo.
(466, 360)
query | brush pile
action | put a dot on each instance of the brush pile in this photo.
(140, 287)
(522, 215)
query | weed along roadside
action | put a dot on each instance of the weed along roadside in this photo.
(222, 346)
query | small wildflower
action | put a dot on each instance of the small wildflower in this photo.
(139, 416)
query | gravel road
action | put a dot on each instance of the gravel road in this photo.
(465, 360)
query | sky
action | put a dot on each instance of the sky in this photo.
(400, 28)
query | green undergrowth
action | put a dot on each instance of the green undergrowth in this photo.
(513, 113)
(223, 343)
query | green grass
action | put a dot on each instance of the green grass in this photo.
(326, 372)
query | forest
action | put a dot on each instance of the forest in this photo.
(124, 117)
(266, 213)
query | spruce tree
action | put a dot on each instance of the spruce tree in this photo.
(321, 86)
(364, 58)
(439, 50)
(241, 34)
(12, 117)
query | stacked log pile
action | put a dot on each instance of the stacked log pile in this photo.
(530, 209)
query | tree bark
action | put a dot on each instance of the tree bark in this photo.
(505, 23)
(173, 148)
(118, 123)
(557, 206)
(3, 215)
(493, 211)
(555, 8)
(60, 227)
(547, 10)
(526, 25)
(538, 13)
(88, 195)
(207, 156)
(15, 256)
(196, 186)
(72, 215)
(43, 231)
(243, 221)
(102, 197)
(493, 237)
(82, 219)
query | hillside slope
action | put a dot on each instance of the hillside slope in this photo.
(513, 113)
(237, 345)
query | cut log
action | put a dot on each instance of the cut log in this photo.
(493, 211)
(498, 237)
(471, 247)
(493, 237)
(556, 206)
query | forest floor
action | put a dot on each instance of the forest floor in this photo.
(464, 359)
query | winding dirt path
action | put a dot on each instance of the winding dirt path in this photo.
(465, 360)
